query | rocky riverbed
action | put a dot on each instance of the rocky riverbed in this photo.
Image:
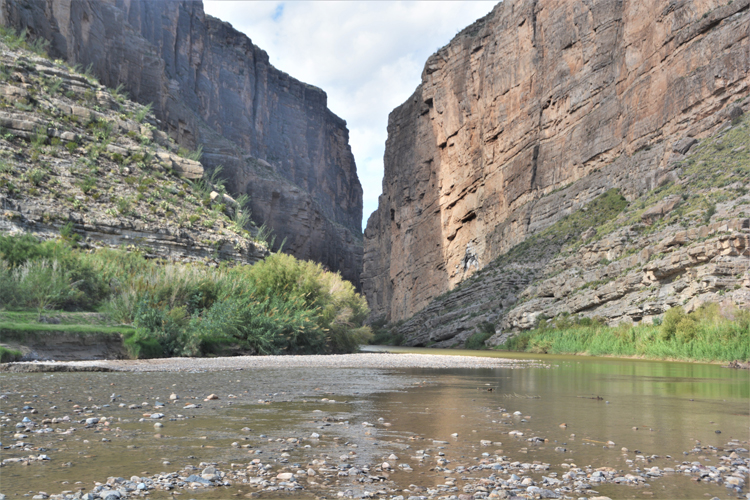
(380, 360)
(356, 432)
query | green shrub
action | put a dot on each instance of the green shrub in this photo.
(279, 305)
(669, 324)
(15, 250)
(9, 355)
(706, 334)
(68, 234)
(141, 346)
(124, 206)
(241, 214)
(43, 284)
(485, 330)
(88, 184)
(687, 329)
(143, 112)
(191, 155)
(35, 176)
(518, 342)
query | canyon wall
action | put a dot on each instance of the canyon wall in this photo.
(532, 112)
(209, 85)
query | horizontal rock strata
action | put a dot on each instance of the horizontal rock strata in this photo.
(210, 86)
(536, 100)
(79, 157)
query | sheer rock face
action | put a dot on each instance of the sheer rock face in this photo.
(209, 84)
(537, 95)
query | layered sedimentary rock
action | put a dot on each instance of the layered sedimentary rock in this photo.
(532, 112)
(76, 161)
(210, 86)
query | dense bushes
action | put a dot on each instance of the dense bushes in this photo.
(47, 275)
(476, 341)
(707, 333)
(279, 305)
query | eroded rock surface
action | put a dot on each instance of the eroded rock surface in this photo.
(532, 112)
(209, 85)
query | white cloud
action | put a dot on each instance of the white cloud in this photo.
(367, 56)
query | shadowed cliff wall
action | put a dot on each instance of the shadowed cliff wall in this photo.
(210, 85)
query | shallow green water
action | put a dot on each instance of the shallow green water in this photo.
(673, 405)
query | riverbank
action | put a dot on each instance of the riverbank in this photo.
(708, 334)
(280, 305)
(359, 360)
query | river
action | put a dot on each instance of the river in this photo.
(665, 414)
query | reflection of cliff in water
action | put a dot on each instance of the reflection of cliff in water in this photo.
(671, 404)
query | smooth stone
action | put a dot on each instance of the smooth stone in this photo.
(193, 478)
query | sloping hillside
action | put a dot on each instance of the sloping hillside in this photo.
(686, 243)
(81, 159)
(531, 113)
(210, 85)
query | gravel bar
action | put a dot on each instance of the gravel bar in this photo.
(359, 360)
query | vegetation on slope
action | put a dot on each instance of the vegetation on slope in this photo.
(280, 305)
(707, 334)
(607, 247)
(76, 155)
(74, 150)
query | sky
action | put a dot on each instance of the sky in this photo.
(367, 56)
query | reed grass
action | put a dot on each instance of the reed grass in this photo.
(707, 334)
(279, 305)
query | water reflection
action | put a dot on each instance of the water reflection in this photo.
(656, 408)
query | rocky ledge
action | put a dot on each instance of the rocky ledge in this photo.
(78, 156)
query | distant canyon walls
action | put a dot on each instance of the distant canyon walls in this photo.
(537, 95)
(274, 135)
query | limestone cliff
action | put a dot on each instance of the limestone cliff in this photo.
(80, 161)
(524, 118)
(210, 86)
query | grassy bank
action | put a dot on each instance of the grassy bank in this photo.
(280, 305)
(707, 334)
